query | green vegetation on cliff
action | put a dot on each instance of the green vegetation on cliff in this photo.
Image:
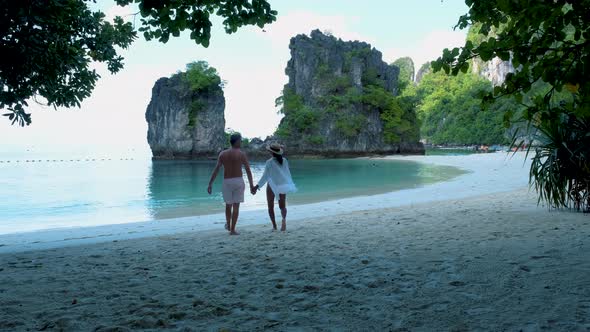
(342, 101)
(397, 113)
(199, 78)
(451, 112)
(549, 43)
(449, 107)
(441, 109)
(301, 119)
(406, 72)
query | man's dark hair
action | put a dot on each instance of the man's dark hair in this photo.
(234, 138)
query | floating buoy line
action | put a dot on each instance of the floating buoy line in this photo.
(63, 160)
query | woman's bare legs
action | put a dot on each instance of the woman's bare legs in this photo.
(270, 200)
(283, 207)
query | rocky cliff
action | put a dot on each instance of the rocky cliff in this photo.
(494, 70)
(424, 69)
(340, 100)
(183, 122)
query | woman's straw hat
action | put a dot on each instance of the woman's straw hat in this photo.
(275, 148)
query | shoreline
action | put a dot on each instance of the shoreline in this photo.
(493, 262)
(508, 173)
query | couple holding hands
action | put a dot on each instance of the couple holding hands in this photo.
(276, 174)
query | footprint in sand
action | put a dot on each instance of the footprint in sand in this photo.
(524, 268)
(583, 311)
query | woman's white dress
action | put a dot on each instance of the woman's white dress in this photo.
(278, 177)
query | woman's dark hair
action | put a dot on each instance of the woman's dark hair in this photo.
(278, 157)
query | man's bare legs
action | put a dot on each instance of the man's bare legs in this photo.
(270, 200)
(234, 218)
(283, 207)
(227, 217)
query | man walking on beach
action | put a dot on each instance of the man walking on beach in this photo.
(233, 187)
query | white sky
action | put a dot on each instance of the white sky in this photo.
(252, 61)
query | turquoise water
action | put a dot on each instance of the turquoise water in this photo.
(50, 193)
(448, 152)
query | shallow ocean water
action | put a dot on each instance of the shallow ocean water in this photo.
(50, 193)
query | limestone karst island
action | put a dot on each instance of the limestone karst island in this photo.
(267, 165)
(340, 101)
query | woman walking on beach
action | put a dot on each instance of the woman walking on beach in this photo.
(278, 176)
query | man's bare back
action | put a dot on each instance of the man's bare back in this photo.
(232, 161)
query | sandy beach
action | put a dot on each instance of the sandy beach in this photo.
(494, 262)
(473, 253)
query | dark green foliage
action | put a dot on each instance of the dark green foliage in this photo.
(409, 127)
(397, 114)
(548, 41)
(163, 18)
(350, 126)
(289, 102)
(340, 96)
(338, 84)
(316, 140)
(359, 53)
(450, 110)
(323, 72)
(283, 131)
(48, 46)
(245, 141)
(335, 103)
(370, 77)
(198, 78)
(560, 165)
(474, 35)
(304, 120)
(331, 83)
(399, 123)
(299, 117)
(356, 53)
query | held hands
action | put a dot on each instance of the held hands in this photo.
(254, 189)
